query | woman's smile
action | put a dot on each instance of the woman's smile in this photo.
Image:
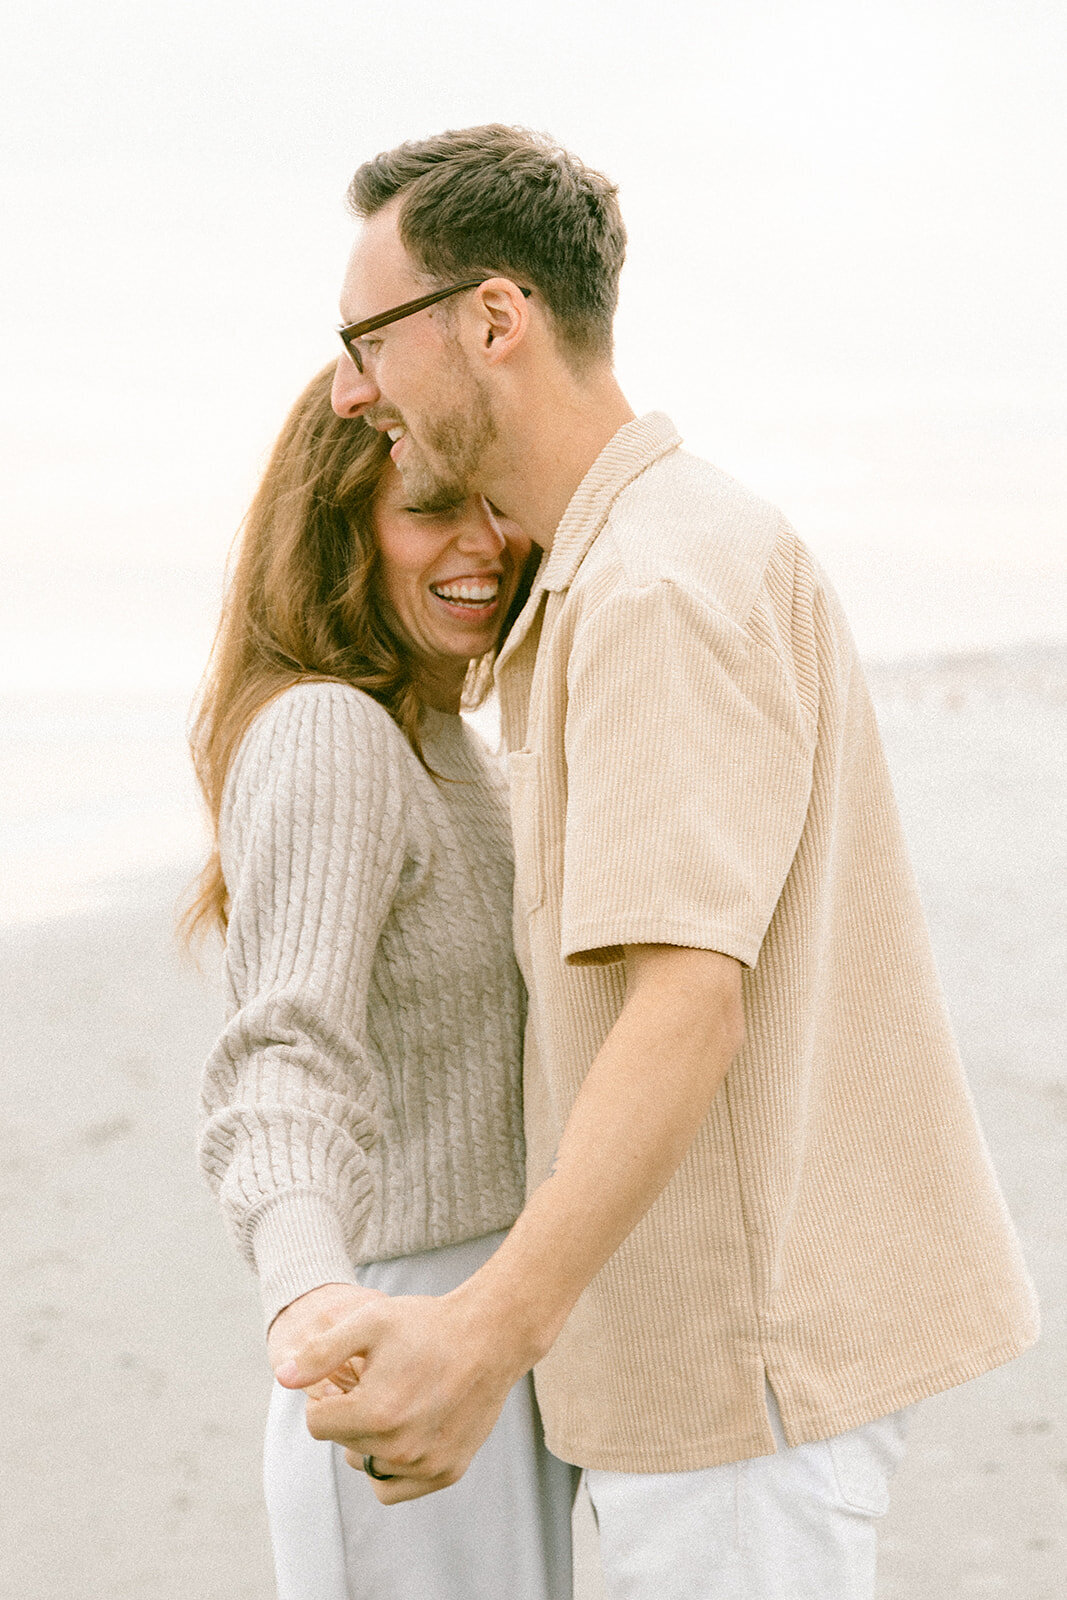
(474, 595)
(449, 576)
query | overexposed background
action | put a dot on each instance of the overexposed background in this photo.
(848, 245)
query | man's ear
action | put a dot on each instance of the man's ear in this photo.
(505, 317)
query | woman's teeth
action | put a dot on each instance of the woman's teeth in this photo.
(472, 594)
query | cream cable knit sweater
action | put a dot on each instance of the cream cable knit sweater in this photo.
(364, 1099)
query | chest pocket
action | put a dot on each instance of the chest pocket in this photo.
(528, 825)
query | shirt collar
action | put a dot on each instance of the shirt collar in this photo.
(625, 456)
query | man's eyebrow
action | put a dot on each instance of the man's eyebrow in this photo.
(346, 320)
(351, 322)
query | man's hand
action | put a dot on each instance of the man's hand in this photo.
(415, 1381)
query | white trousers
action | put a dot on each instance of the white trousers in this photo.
(503, 1532)
(798, 1525)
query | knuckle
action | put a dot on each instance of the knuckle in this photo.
(311, 1350)
(374, 1421)
(316, 1423)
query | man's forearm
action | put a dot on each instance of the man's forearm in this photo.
(644, 1098)
(434, 1372)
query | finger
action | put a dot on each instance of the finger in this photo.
(404, 1481)
(342, 1419)
(358, 1460)
(341, 1381)
(326, 1390)
(347, 1376)
(400, 1488)
(321, 1354)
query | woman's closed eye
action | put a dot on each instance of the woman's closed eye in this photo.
(444, 513)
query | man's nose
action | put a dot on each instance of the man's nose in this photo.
(353, 391)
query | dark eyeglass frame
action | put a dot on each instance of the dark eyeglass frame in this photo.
(351, 331)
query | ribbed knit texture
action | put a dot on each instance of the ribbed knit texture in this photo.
(696, 762)
(364, 1100)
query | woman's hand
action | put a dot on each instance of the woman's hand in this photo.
(311, 1317)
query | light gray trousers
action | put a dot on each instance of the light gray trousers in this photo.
(503, 1532)
(798, 1525)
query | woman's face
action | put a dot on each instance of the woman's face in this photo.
(449, 576)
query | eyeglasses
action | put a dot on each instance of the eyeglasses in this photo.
(351, 332)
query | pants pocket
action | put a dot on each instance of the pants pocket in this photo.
(864, 1461)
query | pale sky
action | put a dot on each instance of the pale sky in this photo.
(848, 232)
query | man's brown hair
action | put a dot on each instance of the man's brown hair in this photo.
(499, 200)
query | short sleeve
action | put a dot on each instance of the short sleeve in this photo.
(689, 771)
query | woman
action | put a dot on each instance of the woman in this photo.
(361, 1111)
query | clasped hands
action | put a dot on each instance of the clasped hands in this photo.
(416, 1381)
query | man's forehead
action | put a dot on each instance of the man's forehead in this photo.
(379, 273)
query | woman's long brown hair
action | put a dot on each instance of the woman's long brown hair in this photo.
(302, 603)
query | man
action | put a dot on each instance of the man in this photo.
(760, 1213)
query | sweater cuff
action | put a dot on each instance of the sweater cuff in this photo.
(299, 1244)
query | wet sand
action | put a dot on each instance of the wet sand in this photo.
(131, 1451)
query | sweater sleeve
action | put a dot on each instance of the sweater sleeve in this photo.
(312, 840)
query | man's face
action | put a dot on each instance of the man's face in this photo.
(417, 383)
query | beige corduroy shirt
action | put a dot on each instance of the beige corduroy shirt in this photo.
(695, 761)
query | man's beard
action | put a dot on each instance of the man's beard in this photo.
(459, 441)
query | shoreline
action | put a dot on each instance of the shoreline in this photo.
(934, 681)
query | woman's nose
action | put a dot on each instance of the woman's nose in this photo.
(353, 391)
(481, 533)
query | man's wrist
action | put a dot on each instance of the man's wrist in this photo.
(507, 1313)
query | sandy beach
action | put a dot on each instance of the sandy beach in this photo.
(139, 1382)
